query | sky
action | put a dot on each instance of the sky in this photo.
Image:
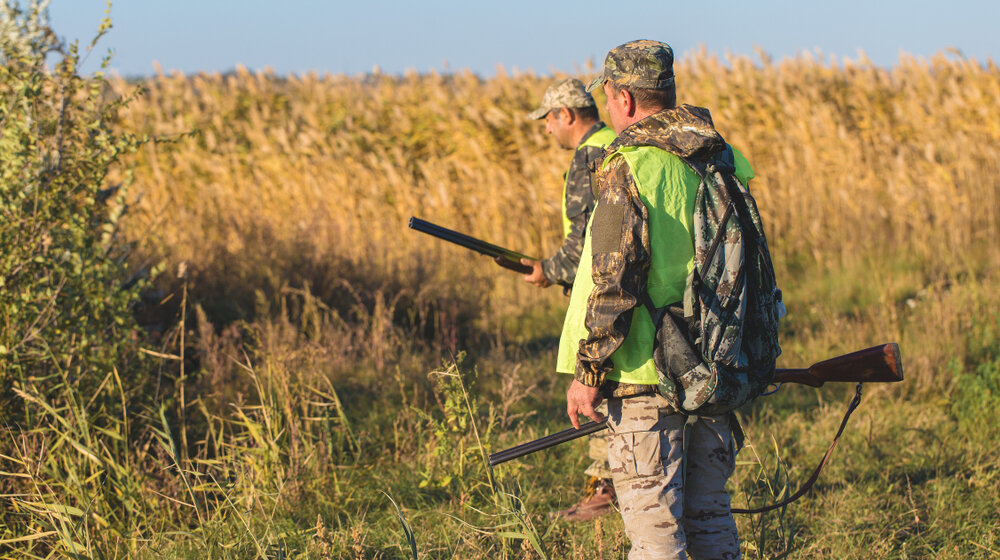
(355, 37)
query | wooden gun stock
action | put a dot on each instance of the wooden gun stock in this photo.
(878, 364)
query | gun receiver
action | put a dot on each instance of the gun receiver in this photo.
(503, 257)
(878, 364)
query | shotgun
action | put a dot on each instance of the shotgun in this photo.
(878, 364)
(503, 257)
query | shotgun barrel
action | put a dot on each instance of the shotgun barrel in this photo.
(546, 442)
(503, 257)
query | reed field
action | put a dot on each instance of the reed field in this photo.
(334, 166)
(311, 379)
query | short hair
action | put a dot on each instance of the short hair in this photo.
(586, 113)
(650, 99)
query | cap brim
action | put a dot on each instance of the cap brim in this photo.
(598, 82)
(538, 114)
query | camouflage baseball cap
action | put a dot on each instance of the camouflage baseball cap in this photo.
(642, 64)
(564, 93)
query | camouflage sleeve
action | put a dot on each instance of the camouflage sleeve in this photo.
(561, 267)
(620, 243)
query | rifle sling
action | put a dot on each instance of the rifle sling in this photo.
(815, 475)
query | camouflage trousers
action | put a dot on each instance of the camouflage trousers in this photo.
(598, 450)
(668, 514)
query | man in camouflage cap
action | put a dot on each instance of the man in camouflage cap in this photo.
(641, 242)
(571, 118)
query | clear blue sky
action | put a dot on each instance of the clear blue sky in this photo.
(352, 37)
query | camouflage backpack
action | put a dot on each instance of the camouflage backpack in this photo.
(718, 352)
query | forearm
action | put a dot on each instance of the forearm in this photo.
(578, 204)
(604, 336)
(561, 267)
(609, 319)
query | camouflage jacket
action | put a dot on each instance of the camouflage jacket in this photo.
(620, 275)
(560, 268)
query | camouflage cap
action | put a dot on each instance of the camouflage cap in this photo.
(564, 93)
(642, 64)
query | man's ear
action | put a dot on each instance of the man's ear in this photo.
(566, 115)
(629, 102)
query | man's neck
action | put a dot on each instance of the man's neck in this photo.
(581, 130)
(641, 114)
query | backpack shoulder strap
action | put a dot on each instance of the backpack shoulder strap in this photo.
(656, 314)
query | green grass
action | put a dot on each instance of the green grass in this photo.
(298, 451)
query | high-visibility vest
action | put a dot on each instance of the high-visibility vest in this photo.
(600, 139)
(667, 187)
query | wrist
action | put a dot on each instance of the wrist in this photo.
(547, 268)
(587, 377)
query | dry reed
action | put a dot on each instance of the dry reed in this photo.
(848, 156)
(308, 181)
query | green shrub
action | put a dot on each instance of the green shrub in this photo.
(69, 371)
(65, 293)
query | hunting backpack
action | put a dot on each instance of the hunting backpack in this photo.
(716, 350)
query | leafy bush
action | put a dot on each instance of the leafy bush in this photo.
(65, 293)
(69, 375)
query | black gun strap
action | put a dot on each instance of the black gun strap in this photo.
(815, 475)
(655, 314)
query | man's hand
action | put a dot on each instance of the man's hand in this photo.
(581, 399)
(536, 277)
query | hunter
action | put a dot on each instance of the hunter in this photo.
(640, 240)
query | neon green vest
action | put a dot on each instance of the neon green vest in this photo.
(600, 139)
(667, 187)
